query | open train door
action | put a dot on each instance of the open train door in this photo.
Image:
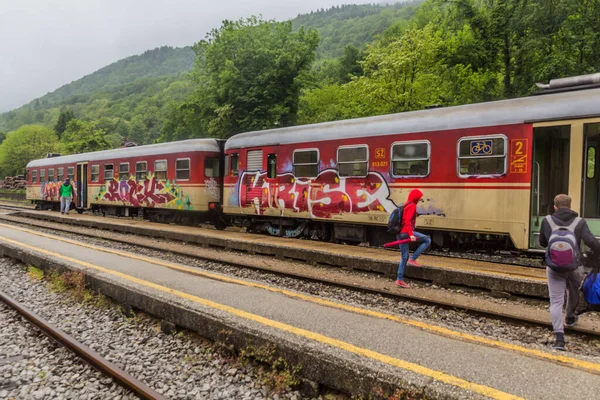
(590, 191)
(550, 173)
(82, 183)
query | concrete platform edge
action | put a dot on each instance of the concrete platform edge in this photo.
(319, 363)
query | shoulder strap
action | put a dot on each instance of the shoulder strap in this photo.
(571, 227)
(553, 225)
(574, 224)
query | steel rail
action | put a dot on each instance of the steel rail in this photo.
(87, 354)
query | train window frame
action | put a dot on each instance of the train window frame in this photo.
(215, 173)
(42, 175)
(95, 176)
(305, 164)
(60, 174)
(34, 176)
(112, 172)
(366, 162)
(236, 171)
(166, 170)
(122, 173)
(50, 174)
(504, 156)
(409, 142)
(71, 173)
(188, 169)
(139, 173)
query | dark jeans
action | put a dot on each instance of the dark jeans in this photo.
(424, 241)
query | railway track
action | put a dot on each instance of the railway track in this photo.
(83, 352)
(318, 275)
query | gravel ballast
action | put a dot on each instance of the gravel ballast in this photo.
(179, 365)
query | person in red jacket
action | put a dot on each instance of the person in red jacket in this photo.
(409, 219)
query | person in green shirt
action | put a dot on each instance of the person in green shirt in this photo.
(66, 196)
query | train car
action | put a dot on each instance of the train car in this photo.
(169, 182)
(489, 171)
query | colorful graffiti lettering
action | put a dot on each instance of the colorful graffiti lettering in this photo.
(322, 197)
(150, 192)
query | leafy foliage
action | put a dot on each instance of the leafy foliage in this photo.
(248, 76)
(26, 143)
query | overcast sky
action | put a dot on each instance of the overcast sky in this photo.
(45, 44)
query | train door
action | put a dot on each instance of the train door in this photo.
(82, 177)
(590, 197)
(254, 179)
(551, 155)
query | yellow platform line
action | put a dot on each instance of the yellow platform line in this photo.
(437, 375)
(568, 361)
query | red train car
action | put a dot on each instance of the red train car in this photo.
(341, 179)
(170, 181)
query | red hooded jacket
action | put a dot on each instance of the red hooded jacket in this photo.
(409, 215)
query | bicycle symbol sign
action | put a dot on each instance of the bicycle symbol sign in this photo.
(481, 147)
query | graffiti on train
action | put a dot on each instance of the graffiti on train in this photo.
(50, 190)
(150, 192)
(323, 196)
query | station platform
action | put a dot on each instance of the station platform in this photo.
(342, 346)
(442, 271)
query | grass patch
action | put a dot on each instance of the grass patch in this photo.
(35, 273)
(273, 371)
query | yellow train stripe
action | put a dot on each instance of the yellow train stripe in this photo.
(437, 375)
(569, 361)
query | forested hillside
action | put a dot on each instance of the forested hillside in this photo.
(353, 24)
(343, 62)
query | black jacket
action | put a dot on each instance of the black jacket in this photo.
(564, 217)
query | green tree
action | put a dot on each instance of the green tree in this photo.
(81, 137)
(27, 143)
(63, 119)
(249, 74)
(401, 75)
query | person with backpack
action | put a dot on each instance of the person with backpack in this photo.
(561, 234)
(402, 223)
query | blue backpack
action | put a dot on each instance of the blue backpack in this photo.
(591, 291)
(563, 253)
(395, 220)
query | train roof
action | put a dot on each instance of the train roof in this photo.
(569, 105)
(184, 146)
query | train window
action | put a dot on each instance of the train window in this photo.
(411, 158)
(141, 171)
(306, 163)
(61, 174)
(353, 160)
(109, 172)
(71, 173)
(591, 162)
(272, 166)
(182, 169)
(482, 156)
(211, 167)
(33, 176)
(160, 169)
(235, 164)
(50, 174)
(123, 171)
(42, 175)
(95, 173)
